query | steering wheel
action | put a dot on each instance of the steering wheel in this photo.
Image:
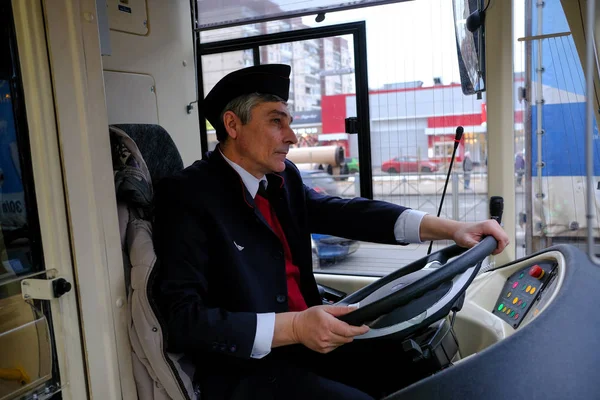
(418, 294)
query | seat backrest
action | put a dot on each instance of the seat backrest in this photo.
(157, 148)
(159, 375)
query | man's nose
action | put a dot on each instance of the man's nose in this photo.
(291, 136)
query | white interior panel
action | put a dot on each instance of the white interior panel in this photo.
(130, 98)
(166, 54)
(129, 16)
(345, 283)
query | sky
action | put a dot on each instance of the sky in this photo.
(412, 40)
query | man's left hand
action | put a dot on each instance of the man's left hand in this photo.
(469, 234)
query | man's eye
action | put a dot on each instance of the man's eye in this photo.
(277, 120)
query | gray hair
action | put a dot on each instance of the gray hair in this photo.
(242, 107)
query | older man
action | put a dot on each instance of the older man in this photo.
(235, 285)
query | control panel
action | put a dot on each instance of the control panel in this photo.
(521, 290)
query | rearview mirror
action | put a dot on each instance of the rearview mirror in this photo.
(469, 28)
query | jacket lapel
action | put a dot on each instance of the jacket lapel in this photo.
(231, 182)
(279, 195)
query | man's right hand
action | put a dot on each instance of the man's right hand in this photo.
(316, 328)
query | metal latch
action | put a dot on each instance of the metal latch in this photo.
(44, 289)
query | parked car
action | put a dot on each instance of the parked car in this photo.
(327, 249)
(408, 164)
(352, 165)
(331, 249)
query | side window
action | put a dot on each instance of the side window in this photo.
(28, 360)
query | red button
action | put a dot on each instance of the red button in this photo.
(536, 271)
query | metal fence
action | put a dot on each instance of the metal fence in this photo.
(427, 188)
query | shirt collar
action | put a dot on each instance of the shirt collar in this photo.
(250, 181)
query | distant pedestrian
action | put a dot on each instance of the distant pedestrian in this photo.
(519, 168)
(467, 168)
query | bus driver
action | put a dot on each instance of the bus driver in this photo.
(235, 285)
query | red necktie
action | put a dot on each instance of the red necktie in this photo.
(295, 299)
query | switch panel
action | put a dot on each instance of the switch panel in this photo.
(522, 290)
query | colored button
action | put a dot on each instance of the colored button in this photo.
(532, 290)
(500, 307)
(536, 271)
(524, 286)
(515, 285)
(516, 316)
(521, 276)
(524, 304)
(504, 309)
(515, 300)
(508, 311)
(519, 303)
(528, 288)
(512, 313)
(508, 294)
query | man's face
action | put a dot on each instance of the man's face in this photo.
(263, 143)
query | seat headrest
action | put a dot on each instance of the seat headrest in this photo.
(157, 149)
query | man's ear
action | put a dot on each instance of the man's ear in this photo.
(232, 124)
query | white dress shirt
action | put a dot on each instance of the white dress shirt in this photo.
(406, 230)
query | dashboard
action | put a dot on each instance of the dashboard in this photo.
(552, 340)
(497, 354)
(503, 300)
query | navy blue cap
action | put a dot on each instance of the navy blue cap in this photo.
(266, 79)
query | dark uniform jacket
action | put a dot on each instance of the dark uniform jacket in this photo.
(219, 263)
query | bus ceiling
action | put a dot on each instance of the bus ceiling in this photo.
(213, 14)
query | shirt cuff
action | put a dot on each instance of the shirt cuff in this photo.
(265, 326)
(408, 225)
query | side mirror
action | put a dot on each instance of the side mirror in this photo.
(469, 27)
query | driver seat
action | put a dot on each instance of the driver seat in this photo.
(142, 155)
